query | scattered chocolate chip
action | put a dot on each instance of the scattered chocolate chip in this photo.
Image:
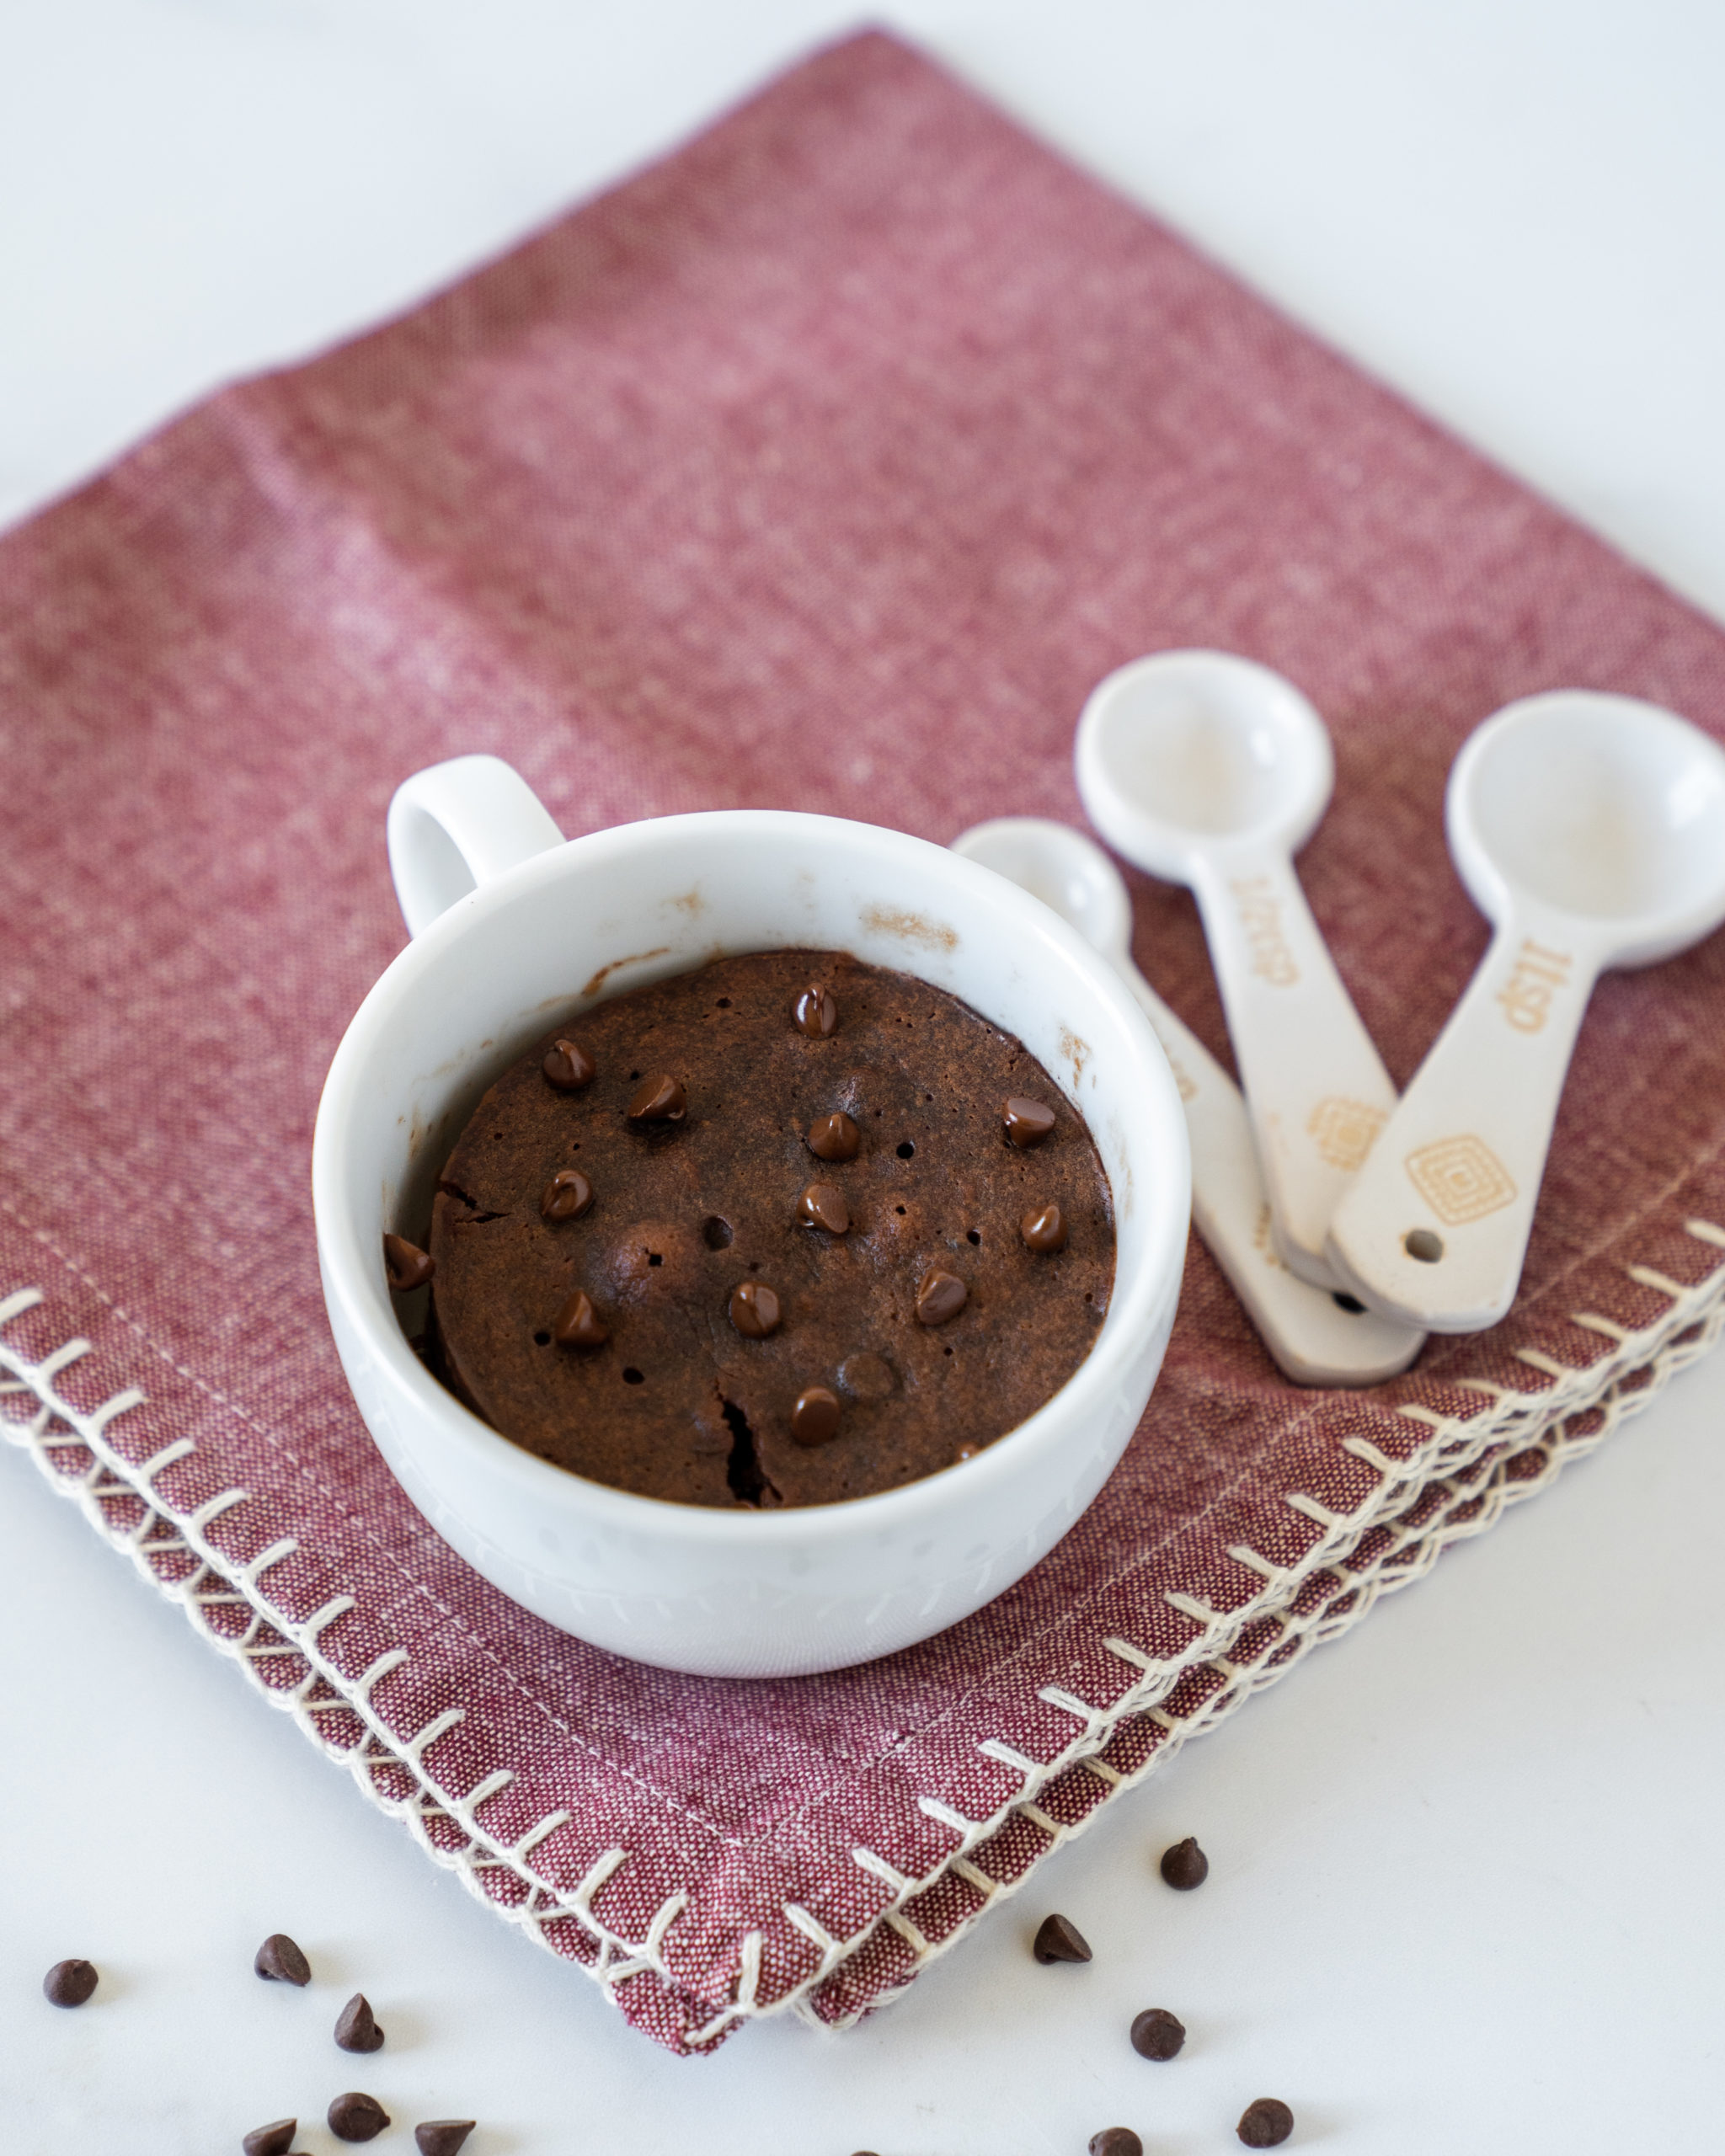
(939, 1296)
(566, 1197)
(405, 1265)
(814, 1419)
(579, 1325)
(1058, 1939)
(661, 1100)
(1156, 2033)
(442, 2136)
(567, 1066)
(822, 1205)
(1265, 2124)
(1185, 1865)
(356, 2117)
(355, 2030)
(1116, 2140)
(1027, 1122)
(866, 1376)
(69, 1983)
(279, 1960)
(815, 1012)
(755, 1310)
(833, 1137)
(1043, 1229)
(275, 2139)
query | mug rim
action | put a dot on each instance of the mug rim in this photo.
(341, 1259)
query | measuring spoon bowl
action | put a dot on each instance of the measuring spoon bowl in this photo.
(1186, 752)
(1068, 871)
(1590, 828)
(1315, 1338)
(1602, 808)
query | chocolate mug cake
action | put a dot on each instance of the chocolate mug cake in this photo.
(784, 1230)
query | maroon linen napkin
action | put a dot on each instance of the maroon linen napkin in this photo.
(826, 465)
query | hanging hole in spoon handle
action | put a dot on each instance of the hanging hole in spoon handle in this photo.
(1435, 1229)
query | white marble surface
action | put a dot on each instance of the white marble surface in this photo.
(1468, 1887)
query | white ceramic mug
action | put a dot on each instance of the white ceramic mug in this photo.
(513, 930)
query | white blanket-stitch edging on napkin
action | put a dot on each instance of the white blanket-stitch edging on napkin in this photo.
(1515, 1420)
(1482, 1492)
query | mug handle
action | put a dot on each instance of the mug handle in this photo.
(457, 825)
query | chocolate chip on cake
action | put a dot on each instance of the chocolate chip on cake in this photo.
(814, 1419)
(579, 1325)
(822, 1205)
(442, 2136)
(661, 1100)
(567, 1066)
(815, 1012)
(1185, 1865)
(405, 1265)
(1116, 2140)
(355, 2029)
(566, 1197)
(281, 1961)
(940, 1295)
(69, 1983)
(1058, 1939)
(1265, 2124)
(867, 1377)
(833, 1137)
(1044, 1229)
(754, 1309)
(1156, 2033)
(275, 2139)
(357, 2116)
(1027, 1122)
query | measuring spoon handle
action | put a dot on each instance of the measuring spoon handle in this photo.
(1435, 1226)
(1311, 1337)
(1315, 1086)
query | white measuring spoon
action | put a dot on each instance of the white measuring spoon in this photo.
(1590, 828)
(1315, 1339)
(1212, 772)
